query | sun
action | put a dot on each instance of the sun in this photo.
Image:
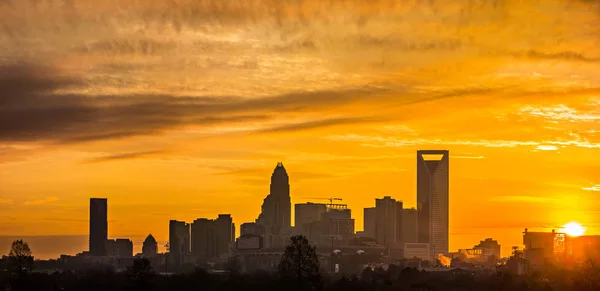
(573, 229)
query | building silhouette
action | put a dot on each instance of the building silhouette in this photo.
(370, 222)
(388, 229)
(337, 223)
(98, 226)
(150, 247)
(305, 214)
(252, 228)
(409, 225)
(276, 208)
(120, 248)
(433, 199)
(179, 241)
(211, 238)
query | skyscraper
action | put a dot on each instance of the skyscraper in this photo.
(305, 214)
(224, 233)
(433, 199)
(204, 239)
(370, 222)
(121, 248)
(179, 241)
(409, 225)
(338, 223)
(211, 238)
(388, 229)
(98, 226)
(276, 211)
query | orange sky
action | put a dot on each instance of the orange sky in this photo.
(181, 109)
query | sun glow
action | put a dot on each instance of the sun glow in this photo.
(573, 229)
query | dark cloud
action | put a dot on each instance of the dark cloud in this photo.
(123, 156)
(319, 124)
(32, 110)
(563, 56)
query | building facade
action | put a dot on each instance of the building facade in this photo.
(433, 199)
(98, 226)
(370, 222)
(211, 238)
(388, 230)
(251, 228)
(409, 225)
(120, 248)
(150, 247)
(179, 241)
(305, 214)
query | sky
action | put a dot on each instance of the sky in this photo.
(181, 109)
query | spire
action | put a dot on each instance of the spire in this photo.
(279, 170)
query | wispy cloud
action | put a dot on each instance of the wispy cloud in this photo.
(466, 156)
(532, 199)
(6, 201)
(547, 148)
(41, 201)
(123, 156)
(322, 123)
(560, 112)
(595, 188)
(382, 142)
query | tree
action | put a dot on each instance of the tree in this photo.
(300, 262)
(20, 257)
(141, 269)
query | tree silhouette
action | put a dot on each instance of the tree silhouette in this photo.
(141, 272)
(300, 262)
(20, 257)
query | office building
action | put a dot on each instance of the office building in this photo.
(276, 209)
(225, 233)
(370, 222)
(305, 214)
(211, 238)
(150, 247)
(487, 250)
(204, 242)
(251, 228)
(388, 230)
(409, 225)
(179, 241)
(98, 226)
(337, 223)
(120, 248)
(433, 199)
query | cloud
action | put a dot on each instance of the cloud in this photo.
(124, 156)
(467, 156)
(31, 110)
(547, 148)
(594, 188)
(390, 142)
(531, 199)
(319, 124)
(560, 112)
(6, 201)
(42, 201)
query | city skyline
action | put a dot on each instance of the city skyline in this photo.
(175, 112)
(437, 163)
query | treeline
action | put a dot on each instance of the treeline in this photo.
(298, 270)
(409, 279)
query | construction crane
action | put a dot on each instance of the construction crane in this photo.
(331, 199)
